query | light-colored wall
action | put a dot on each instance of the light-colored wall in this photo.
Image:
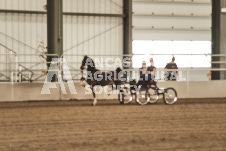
(153, 20)
(87, 35)
(83, 35)
(32, 92)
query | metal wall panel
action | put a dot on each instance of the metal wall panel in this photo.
(172, 20)
(92, 35)
(168, 8)
(31, 5)
(169, 22)
(171, 35)
(26, 33)
(93, 6)
(23, 33)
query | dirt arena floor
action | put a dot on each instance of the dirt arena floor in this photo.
(76, 125)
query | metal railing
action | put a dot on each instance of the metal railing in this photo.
(15, 69)
(21, 71)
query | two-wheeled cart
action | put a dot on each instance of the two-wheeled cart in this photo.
(148, 93)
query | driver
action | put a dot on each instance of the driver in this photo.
(143, 72)
(151, 70)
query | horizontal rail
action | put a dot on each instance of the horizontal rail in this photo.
(173, 29)
(172, 15)
(148, 54)
(188, 69)
(126, 55)
(108, 63)
(137, 69)
(64, 13)
(172, 2)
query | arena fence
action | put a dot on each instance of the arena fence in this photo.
(18, 75)
(15, 69)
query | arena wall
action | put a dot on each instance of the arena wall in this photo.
(32, 91)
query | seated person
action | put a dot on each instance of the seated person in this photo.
(171, 75)
(151, 70)
(143, 73)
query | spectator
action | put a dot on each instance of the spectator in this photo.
(151, 70)
(143, 69)
(143, 72)
(171, 75)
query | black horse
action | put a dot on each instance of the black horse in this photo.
(97, 78)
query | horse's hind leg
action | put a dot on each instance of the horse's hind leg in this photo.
(94, 96)
(110, 89)
(121, 94)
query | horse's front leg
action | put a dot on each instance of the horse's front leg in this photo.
(121, 92)
(94, 96)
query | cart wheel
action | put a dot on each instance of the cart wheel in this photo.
(153, 95)
(125, 97)
(142, 97)
(170, 96)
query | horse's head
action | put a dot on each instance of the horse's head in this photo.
(83, 62)
(118, 71)
(87, 62)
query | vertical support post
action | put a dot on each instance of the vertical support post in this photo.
(127, 27)
(11, 65)
(223, 39)
(16, 71)
(54, 29)
(127, 30)
(216, 17)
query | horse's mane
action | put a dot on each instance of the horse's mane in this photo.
(90, 63)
